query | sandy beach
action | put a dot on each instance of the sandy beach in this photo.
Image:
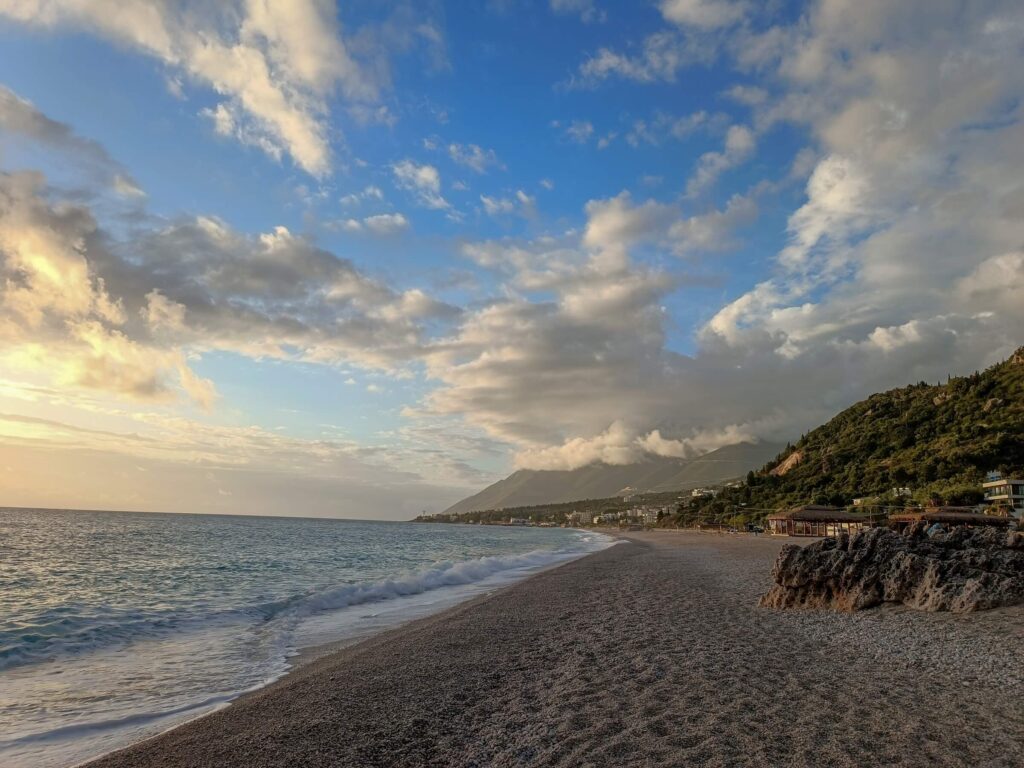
(650, 653)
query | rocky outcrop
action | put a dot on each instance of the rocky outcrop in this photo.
(791, 461)
(968, 569)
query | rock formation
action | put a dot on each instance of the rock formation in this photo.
(968, 569)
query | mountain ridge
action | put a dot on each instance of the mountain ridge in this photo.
(528, 487)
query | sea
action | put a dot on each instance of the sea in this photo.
(115, 626)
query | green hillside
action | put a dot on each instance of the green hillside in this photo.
(936, 440)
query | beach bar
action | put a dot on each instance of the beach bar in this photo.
(813, 520)
(946, 516)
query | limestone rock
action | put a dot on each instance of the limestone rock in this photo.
(967, 569)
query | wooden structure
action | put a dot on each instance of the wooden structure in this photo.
(813, 520)
(946, 516)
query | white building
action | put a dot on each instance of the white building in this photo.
(699, 492)
(1005, 492)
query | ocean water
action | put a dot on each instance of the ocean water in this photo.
(115, 625)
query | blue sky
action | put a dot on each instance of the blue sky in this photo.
(421, 245)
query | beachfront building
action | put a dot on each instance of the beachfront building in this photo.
(949, 517)
(1005, 492)
(814, 520)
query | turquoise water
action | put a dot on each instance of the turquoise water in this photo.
(115, 625)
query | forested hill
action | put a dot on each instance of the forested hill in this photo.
(938, 440)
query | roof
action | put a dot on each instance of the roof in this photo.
(818, 514)
(948, 515)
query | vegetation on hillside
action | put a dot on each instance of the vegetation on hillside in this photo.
(938, 441)
(934, 441)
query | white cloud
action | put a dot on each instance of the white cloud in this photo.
(714, 230)
(473, 157)
(521, 203)
(424, 180)
(369, 192)
(616, 224)
(750, 95)
(910, 234)
(382, 224)
(703, 14)
(162, 314)
(663, 125)
(580, 131)
(275, 64)
(386, 223)
(662, 55)
(497, 206)
(739, 146)
(615, 446)
(85, 309)
(995, 285)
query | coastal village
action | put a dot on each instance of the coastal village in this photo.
(1001, 506)
(947, 455)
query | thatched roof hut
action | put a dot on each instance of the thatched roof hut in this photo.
(814, 520)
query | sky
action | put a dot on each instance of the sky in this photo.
(362, 259)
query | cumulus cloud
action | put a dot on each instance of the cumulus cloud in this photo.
(125, 314)
(714, 230)
(423, 180)
(906, 249)
(274, 63)
(620, 445)
(386, 223)
(382, 224)
(738, 147)
(994, 286)
(902, 260)
(59, 314)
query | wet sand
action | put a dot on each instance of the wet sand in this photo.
(651, 653)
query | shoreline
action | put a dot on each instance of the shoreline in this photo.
(406, 615)
(648, 652)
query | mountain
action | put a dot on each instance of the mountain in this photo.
(936, 440)
(598, 481)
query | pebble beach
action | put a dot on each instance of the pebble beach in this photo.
(650, 653)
